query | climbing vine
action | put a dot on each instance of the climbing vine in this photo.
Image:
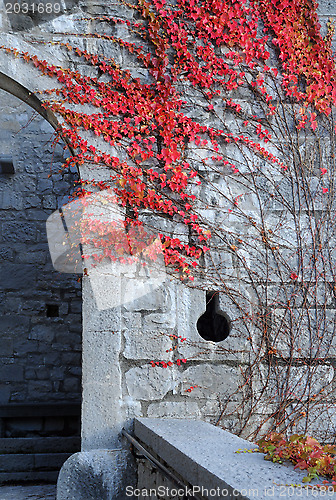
(221, 140)
(305, 452)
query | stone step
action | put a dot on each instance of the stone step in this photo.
(40, 445)
(39, 410)
(34, 462)
(21, 477)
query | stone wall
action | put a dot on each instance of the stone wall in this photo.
(119, 381)
(40, 344)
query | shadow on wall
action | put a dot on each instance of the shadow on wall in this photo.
(40, 344)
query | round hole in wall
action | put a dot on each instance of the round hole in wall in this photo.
(214, 325)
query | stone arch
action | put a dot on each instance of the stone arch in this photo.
(20, 89)
(16, 89)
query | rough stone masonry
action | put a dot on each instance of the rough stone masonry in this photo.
(118, 382)
(40, 308)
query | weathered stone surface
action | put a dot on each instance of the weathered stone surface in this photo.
(14, 277)
(171, 409)
(170, 309)
(205, 456)
(102, 474)
(190, 306)
(314, 333)
(144, 344)
(321, 421)
(300, 382)
(6, 253)
(14, 324)
(148, 383)
(131, 320)
(6, 346)
(28, 281)
(11, 200)
(9, 373)
(160, 321)
(102, 395)
(38, 389)
(18, 232)
(326, 7)
(95, 319)
(42, 332)
(212, 381)
(158, 300)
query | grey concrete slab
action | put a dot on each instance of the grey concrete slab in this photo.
(205, 457)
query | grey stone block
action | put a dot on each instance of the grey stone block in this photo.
(159, 300)
(75, 370)
(76, 306)
(171, 409)
(17, 276)
(98, 474)
(44, 185)
(6, 346)
(77, 326)
(43, 332)
(57, 373)
(148, 383)
(321, 418)
(38, 257)
(212, 380)
(32, 201)
(30, 374)
(11, 199)
(42, 373)
(18, 232)
(6, 253)
(13, 373)
(302, 381)
(68, 358)
(95, 319)
(71, 384)
(39, 389)
(49, 201)
(205, 457)
(24, 347)
(36, 214)
(143, 344)
(326, 8)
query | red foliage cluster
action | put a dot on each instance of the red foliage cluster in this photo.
(305, 452)
(215, 46)
(225, 114)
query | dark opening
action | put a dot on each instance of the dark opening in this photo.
(52, 311)
(6, 166)
(214, 324)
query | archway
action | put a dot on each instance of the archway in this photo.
(41, 309)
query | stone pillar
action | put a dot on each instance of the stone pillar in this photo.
(102, 417)
(105, 466)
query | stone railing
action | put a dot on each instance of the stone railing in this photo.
(202, 463)
(180, 459)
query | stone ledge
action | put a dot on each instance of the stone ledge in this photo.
(204, 456)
